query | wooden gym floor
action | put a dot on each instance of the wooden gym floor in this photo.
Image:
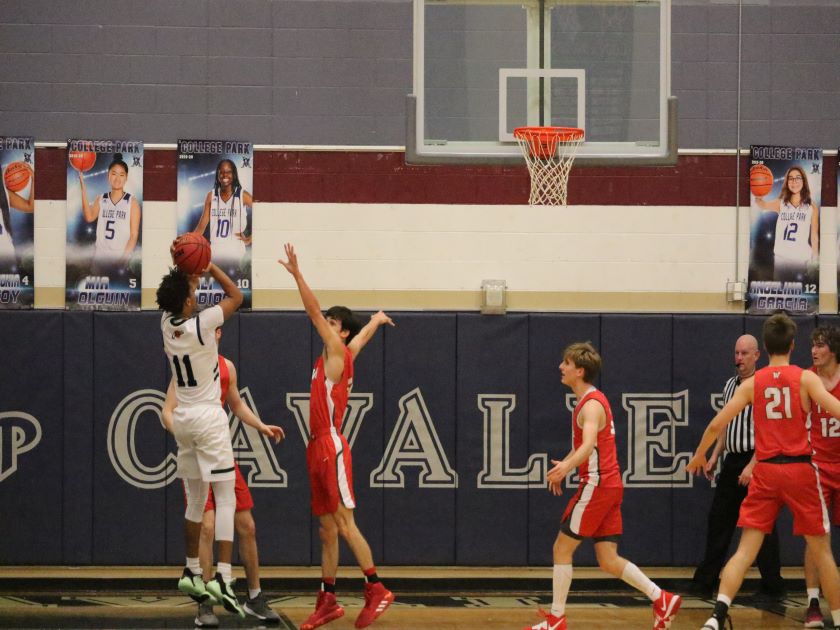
(427, 599)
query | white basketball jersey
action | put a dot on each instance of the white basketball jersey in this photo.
(113, 228)
(190, 346)
(227, 218)
(793, 229)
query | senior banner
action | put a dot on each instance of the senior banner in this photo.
(785, 196)
(17, 225)
(215, 178)
(104, 225)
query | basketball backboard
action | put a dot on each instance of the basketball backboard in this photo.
(484, 67)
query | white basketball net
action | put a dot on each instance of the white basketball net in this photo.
(549, 160)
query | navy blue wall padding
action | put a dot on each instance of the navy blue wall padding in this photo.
(275, 352)
(428, 521)
(76, 417)
(482, 392)
(492, 359)
(127, 359)
(31, 486)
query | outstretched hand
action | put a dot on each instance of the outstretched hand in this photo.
(697, 465)
(557, 474)
(273, 432)
(291, 264)
(381, 318)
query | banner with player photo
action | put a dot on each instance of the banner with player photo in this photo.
(215, 179)
(17, 222)
(785, 197)
(104, 224)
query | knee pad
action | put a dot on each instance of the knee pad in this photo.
(225, 496)
(196, 491)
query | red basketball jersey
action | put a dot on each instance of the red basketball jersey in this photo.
(780, 422)
(825, 431)
(601, 469)
(224, 378)
(328, 401)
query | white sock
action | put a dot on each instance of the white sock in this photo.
(225, 570)
(634, 577)
(194, 565)
(253, 592)
(560, 583)
(835, 617)
(723, 598)
(813, 593)
(712, 623)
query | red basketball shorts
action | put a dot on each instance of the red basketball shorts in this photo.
(830, 484)
(594, 512)
(244, 500)
(330, 469)
(795, 485)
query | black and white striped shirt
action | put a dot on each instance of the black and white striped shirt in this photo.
(740, 434)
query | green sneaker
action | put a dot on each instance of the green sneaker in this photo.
(223, 592)
(192, 585)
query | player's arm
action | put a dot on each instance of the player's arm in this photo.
(17, 202)
(233, 296)
(740, 399)
(774, 205)
(242, 411)
(204, 219)
(815, 233)
(169, 407)
(134, 229)
(247, 207)
(368, 331)
(90, 212)
(334, 364)
(817, 391)
(591, 418)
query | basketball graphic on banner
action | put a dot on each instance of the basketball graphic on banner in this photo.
(16, 177)
(761, 180)
(82, 160)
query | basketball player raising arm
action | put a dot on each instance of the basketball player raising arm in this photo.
(200, 424)
(328, 457)
(117, 236)
(10, 199)
(798, 226)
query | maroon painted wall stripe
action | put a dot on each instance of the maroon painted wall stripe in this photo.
(384, 177)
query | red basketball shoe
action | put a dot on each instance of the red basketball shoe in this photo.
(326, 610)
(549, 622)
(665, 609)
(377, 600)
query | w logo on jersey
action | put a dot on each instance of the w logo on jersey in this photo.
(19, 434)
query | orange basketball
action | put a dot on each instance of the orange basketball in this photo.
(192, 253)
(16, 176)
(761, 180)
(82, 160)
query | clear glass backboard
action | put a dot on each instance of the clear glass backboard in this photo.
(485, 67)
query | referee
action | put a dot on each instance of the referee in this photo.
(735, 474)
